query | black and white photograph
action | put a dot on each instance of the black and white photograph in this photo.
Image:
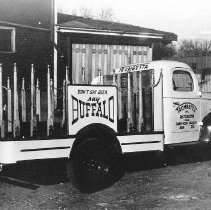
(105, 104)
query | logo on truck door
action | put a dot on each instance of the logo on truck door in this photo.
(91, 104)
(186, 107)
(186, 117)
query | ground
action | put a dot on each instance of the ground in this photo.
(184, 183)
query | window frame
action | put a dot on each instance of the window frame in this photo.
(187, 72)
(12, 39)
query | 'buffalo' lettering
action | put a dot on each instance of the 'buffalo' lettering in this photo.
(103, 109)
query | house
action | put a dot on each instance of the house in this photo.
(29, 33)
(95, 44)
(25, 37)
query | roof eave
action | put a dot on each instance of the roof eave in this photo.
(63, 29)
(24, 26)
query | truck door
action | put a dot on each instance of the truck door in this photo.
(181, 107)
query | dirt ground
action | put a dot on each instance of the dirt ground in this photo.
(184, 183)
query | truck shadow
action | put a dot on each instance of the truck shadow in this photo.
(32, 174)
(171, 156)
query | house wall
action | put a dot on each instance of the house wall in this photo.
(196, 62)
(98, 51)
(205, 87)
(31, 47)
(36, 13)
(93, 57)
(98, 56)
(33, 21)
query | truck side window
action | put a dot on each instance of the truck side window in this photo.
(182, 81)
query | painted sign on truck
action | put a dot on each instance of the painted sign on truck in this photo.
(89, 104)
(186, 115)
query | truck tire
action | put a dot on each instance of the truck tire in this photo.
(93, 166)
(205, 134)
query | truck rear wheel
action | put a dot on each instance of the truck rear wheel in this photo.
(93, 165)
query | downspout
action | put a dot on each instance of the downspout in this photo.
(55, 53)
(150, 57)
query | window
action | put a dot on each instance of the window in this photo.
(7, 39)
(182, 81)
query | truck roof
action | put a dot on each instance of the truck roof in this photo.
(165, 65)
(161, 64)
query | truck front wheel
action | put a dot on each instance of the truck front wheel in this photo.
(93, 166)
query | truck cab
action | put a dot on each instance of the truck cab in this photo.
(182, 101)
(162, 96)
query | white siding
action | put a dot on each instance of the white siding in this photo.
(105, 57)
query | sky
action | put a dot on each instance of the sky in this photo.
(189, 19)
